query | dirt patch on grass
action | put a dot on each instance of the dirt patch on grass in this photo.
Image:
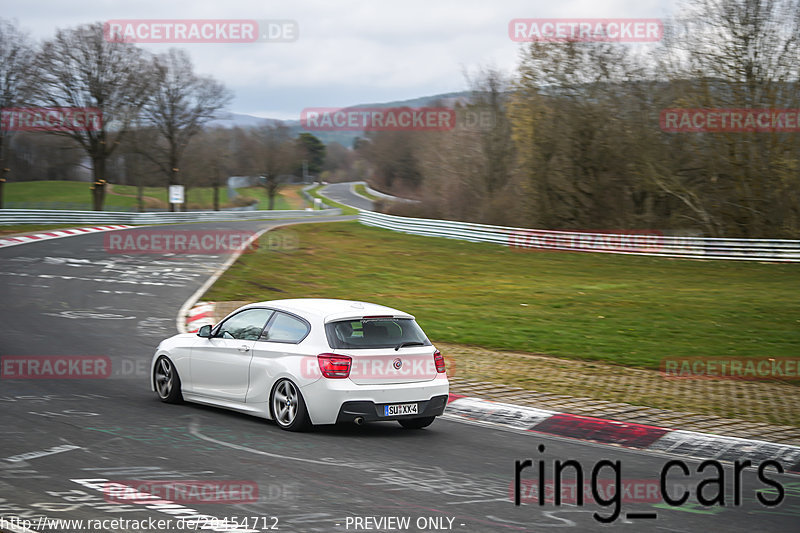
(150, 202)
(293, 197)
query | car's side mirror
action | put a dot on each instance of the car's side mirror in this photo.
(204, 332)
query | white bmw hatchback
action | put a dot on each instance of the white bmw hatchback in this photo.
(309, 361)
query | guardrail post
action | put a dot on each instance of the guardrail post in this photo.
(2, 182)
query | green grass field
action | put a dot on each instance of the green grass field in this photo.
(362, 190)
(623, 309)
(56, 191)
(71, 192)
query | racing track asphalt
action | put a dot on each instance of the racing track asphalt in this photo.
(70, 297)
(343, 193)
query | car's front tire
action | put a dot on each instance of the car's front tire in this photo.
(417, 423)
(287, 407)
(166, 380)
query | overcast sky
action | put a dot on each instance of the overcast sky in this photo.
(348, 51)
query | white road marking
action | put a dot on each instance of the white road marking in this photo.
(43, 453)
(193, 429)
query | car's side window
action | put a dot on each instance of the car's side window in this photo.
(286, 328)
(246, 325)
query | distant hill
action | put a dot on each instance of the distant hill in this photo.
(239, 120)
(346, 138)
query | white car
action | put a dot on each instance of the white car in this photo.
(309, 361)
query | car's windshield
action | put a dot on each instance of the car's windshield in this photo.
(375, 333)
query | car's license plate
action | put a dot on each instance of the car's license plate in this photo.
(400, 409)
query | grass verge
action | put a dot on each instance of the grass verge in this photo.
(362, 190)
(626, 310)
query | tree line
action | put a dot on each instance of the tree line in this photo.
(576, 141)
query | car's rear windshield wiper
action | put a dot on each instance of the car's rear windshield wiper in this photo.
(408, 343)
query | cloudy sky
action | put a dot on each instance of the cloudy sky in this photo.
(348, 51)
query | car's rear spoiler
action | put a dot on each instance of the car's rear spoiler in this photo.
(348, 315)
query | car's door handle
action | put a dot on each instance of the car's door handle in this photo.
(244, 348)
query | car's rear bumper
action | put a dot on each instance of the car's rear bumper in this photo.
(371, 412)
(333, 400)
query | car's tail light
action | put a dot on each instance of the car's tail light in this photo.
(438, 358)
(334, 366)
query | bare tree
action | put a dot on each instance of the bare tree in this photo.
(273, 154)
(80, 68)
(210, 160)
(181, 104)
(16, 54)
(490, 99)
(737, 54)
(338, 164)
(566, 121)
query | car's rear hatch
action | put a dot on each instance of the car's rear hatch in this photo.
(384, 349)
(387, 366)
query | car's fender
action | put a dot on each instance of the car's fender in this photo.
(273, 361)
(178, 349)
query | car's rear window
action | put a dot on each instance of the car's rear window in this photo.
(374, 333)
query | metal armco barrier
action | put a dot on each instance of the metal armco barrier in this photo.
(381, 195)
(634, 243)
(58, 216)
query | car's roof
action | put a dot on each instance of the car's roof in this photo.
(329, 309)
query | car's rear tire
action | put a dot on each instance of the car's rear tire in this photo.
(167, 381)
(417, 423)
(287, 406)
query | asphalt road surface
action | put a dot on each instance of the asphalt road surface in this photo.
(342, 193)
(62, 440)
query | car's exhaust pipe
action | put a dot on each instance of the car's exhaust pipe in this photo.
(359, 420)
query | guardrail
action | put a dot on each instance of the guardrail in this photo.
(634, 243)
(380, 195)
(59, 216)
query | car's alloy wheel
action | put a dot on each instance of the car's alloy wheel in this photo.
(167, 381)
(416, 423)
(288, 406)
